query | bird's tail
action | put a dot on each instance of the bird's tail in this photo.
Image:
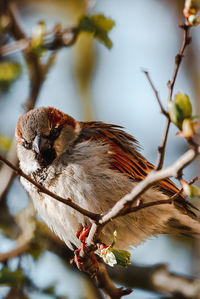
(185, 219)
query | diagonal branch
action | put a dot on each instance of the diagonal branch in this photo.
(15, 252)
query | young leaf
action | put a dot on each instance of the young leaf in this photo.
(9, 72)
(179, 109)
(99, 26)
(191, 8)
(193, 20)
(188, 128)
(122, 257)
(35, 251)
(38, 38)
(113, 256)
(190, 190)
(50, 290)
(114, 239)
(8, 277)
(192, 4)
(5, 143)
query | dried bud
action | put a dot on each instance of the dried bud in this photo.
(38, 38)
(193, 20)
(187, 128)
(108, 257)
(113, 256)
(191, 7)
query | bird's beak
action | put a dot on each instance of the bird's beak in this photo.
(41, 144)
(43, 147)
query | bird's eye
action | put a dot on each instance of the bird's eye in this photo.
(26, 144)
(54, 133)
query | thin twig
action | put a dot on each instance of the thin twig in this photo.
(158, 202)
(178, 59)
(185, 41)
(164, 112)
(15, 252)
(13, 47)
(52, 42)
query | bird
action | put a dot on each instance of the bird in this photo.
(94, 164)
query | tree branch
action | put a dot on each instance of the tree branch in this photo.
(156, 279)
(19, 250)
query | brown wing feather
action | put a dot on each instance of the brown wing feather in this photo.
(124, 154)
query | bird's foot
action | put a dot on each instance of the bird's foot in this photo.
(82, 234)
(85, 258)
(86, 262)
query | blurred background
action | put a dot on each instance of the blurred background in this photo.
(89, 81)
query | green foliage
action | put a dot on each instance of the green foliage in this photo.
(9, 72)
(38, 39)
(193, 4)
(50, 290)
(35, 251)
(180, 109)
(8, 277)
(188, 128)
(122, 257)
(5, 143)
(190, 190)
(99, 26)
(4, 22)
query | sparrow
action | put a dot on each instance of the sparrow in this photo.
(94, 164)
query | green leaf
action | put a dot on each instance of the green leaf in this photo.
(49, 290)
(192, 4)
(5, 143)
(114, 239)
(188, 128)
(190, 190)
(35, 251)
(122, 257)
(4, 23)
(179, 109)
(99, 26)
(9, 72)
(8, 277)
(38, 39)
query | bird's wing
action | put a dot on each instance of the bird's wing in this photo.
(125, 157)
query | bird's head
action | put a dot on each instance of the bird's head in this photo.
(43, 134)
